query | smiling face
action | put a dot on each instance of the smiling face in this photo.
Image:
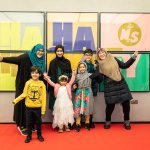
(63, 83)
(35, 75)
(82, 68)
(102, 55)
(88, 57)
(40, 53)
(59, 52)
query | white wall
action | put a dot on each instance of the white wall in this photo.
(76, 5)
(140, 111)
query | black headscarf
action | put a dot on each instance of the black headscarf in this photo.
(62, 63)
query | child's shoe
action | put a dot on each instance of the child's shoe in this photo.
(23, 131)
(87, 126)
(70, 126)
(78, 127)
(28, 139)
(67, 129)
(40, 137)
(60, 131)
(92, 125)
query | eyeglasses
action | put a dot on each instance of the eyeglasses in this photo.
(88, 54)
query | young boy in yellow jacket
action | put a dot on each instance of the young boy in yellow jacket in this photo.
(35, 101)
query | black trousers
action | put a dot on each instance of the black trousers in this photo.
(33, 115)
(126, 110)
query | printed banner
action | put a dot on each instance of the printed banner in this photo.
(137, 75)
(125, 31)
(7, 73)
(75, 31)
(20, 31)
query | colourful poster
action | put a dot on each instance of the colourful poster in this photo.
(137, 76)
(7, 73)
(75, 31)
(125, 31)
(20, 31)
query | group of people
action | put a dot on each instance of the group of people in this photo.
(62, 82)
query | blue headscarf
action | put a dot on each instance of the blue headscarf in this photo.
(35, 60)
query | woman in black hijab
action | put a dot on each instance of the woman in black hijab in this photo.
(58, 66)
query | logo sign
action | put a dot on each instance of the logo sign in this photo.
(129, 34)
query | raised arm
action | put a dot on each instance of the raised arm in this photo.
(127, 64)
(11, 60)
(97, 75)
(47, 78)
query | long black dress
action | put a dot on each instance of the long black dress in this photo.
(23, 75)
(57, 67)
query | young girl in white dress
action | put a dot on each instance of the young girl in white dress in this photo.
(63, 107)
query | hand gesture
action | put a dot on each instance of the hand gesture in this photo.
(1, 58)
(45, 74)
(46, 77)
(135, 54)
(74, 86)
(74, 72)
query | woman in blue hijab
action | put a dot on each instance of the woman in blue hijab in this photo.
(35, 57)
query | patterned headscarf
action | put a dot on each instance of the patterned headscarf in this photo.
(82, 76)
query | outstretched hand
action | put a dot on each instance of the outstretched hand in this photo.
(1, 58)
(135, 54)
(74, 86)
(74, 72)
(45, 74)
(46, 77)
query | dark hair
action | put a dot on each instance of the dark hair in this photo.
(36, 68)
(80, 63)
(88, 51)
(59, 46)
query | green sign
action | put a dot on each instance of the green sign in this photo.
(140, 80)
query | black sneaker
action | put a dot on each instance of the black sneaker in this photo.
(78, 127)
(40, 137)
(28, 139)
(20, 128)
(127, 125)
(34, 130)
(107, 125)
(92, 125)
(24, 132)
(87, 126)
(70, 126)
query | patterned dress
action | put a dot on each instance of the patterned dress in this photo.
(84, 101)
